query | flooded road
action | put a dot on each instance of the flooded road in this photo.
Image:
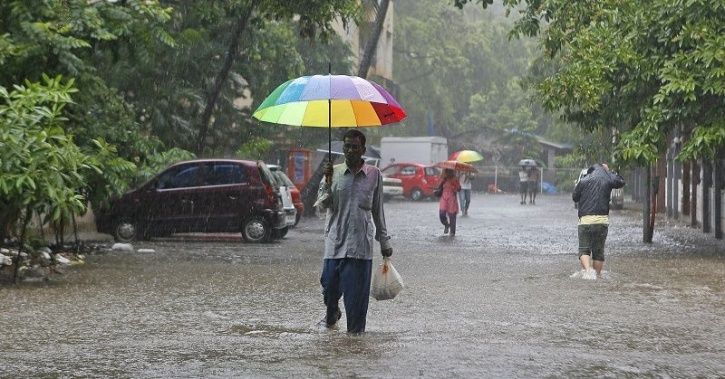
(496, 301)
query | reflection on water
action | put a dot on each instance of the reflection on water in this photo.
(497, 301)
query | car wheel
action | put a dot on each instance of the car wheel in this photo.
(126, 230)
(416, 194)
(255, 229)
(280, 233)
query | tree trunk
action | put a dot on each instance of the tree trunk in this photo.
(372, 44)
(695, 180)
(718, 185)
(646, 206)
(21, 243)
(221, 78)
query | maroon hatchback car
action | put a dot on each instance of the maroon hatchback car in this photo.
(208, 196)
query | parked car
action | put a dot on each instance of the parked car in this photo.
(295, 196)
(392, 187)
(207, 195)
(419, 180)
(616, 199)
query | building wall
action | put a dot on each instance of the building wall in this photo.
(382, 65)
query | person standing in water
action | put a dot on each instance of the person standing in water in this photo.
(533, 184)
(593, 193)
(352, 193)
(465, 195)
(523, 184)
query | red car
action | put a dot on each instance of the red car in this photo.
(419, 180)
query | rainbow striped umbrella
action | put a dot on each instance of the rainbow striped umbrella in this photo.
(466, 156)
(334, 101)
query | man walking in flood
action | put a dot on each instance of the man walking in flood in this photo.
(352, 193)
(592, 193)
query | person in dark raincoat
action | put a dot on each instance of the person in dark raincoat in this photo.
(592, 193)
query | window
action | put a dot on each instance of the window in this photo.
(283, 179)
(432, 171)
(179, 177)
(408, 171)
(226, 173)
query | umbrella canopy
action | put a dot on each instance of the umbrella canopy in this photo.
(528, 163)
(466, 156)
(336, 148)
(456, 165)
(353, 102)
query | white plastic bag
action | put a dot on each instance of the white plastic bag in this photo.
(387, 283)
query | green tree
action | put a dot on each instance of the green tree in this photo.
(313, 19)
(75, 38)
(460, 71)
(644, 67)
(42, 167)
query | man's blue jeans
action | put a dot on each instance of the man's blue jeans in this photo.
(464, 199)
(348, 278)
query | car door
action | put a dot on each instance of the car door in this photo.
(392, 171)
(408, 175)
(170, 204)
(223, 197)
(432, 178)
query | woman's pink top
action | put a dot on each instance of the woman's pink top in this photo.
(449, 198)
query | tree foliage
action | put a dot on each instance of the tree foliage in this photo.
(140, 74)
(644, 67)
(460, 73)
(42, 169)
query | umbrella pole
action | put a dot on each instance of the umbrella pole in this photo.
(329, 119)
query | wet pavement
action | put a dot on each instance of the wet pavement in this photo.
(496, 301)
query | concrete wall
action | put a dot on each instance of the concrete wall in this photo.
(382, 65)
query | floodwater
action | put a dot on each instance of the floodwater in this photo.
(496, 301)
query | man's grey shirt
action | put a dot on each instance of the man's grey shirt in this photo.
(354, 212)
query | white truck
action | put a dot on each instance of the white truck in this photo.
(425, 150)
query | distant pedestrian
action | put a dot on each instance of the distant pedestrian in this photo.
(465, 195)
(448, 204)
(534, 176)
(352, 193)
(592, 193)
(523, 184)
